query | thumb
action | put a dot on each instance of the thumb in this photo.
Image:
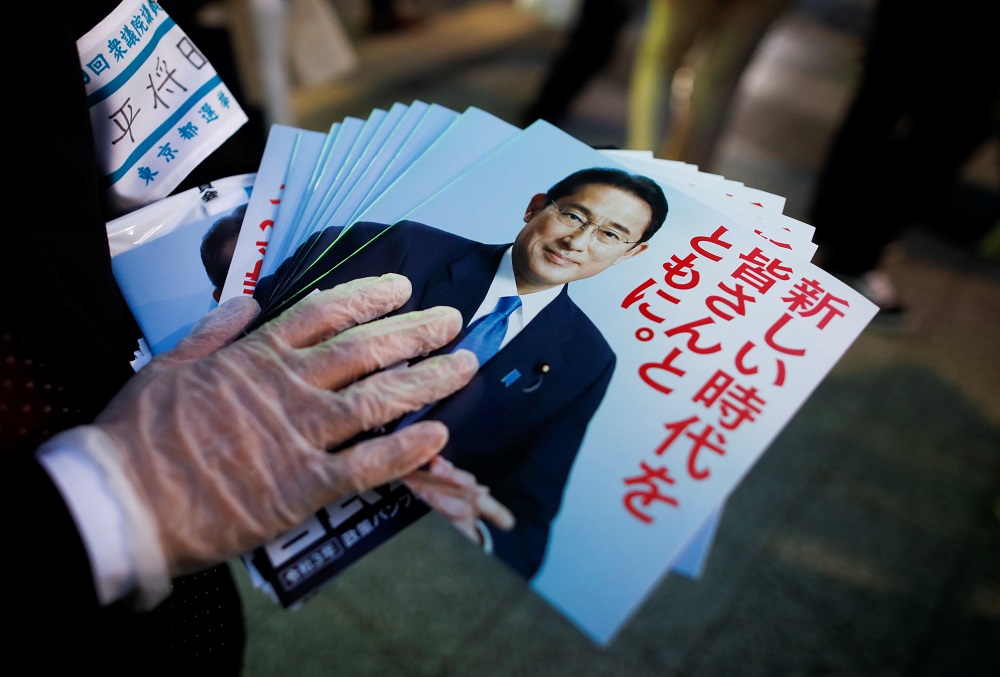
(216, 328)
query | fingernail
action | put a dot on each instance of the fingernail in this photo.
(468, 356)
(397, 280)
(444, 311)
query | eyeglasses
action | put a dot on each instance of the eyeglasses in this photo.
(604, 237)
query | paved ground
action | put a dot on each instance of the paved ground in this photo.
(867, 539)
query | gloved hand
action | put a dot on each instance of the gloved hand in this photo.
(218, 446)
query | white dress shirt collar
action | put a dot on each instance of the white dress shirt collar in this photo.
(504, 285)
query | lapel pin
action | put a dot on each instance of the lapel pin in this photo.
(510, 378)
(542, 368)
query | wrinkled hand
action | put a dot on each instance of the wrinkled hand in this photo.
(457, 495)
(224, 443)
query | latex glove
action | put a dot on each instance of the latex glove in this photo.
(214, 450)
(457, 495)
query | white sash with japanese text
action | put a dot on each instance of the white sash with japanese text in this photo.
(157, 106)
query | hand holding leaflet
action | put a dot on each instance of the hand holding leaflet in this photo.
(456, 495)
(216, 430)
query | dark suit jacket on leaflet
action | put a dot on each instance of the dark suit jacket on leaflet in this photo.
(68, 336)
(517, 439)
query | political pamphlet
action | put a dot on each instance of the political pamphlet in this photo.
(631, 401)
(721, 329)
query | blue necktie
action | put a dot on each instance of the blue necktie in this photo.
(483, 337)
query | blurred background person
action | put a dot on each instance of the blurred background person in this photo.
(589, 47)
(687, 66)
(926, 101)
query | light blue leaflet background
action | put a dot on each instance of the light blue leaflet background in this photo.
(165, 283)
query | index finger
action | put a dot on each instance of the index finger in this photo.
(376, 345)
(328, 312)
(495, 512)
